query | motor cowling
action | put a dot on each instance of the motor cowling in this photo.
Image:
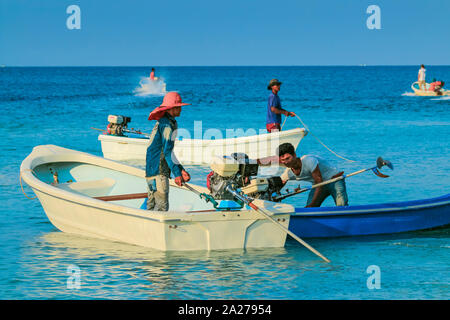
(225, 171)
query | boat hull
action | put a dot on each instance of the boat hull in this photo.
(218, 233)
(201, 152)
(427, 93)
(371, 219)
(71, 207)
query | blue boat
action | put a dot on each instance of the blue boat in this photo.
(371, 219)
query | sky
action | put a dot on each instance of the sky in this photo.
(224, 33)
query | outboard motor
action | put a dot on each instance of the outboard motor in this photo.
(237, 171)
(117, 124)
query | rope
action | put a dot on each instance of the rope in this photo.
(21, 186)
(285, 118)
(304, 125)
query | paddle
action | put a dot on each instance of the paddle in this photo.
(380, 163)
(128, 196)
(249, 202)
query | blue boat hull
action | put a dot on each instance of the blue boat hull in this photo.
(371, 219)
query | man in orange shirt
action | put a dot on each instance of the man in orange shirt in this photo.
(152, 74)
(436, 86)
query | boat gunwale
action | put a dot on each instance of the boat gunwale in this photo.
(371, 209)
(83, 200)
(209, 142)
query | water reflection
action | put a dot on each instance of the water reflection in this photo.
(127, 271)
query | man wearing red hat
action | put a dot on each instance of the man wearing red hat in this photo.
(160, 159)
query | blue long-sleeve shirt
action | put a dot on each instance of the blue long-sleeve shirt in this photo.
(160, 158)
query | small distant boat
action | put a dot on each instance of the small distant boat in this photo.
(371, 219)
(419, 92)
(201, 151)
(95, 197)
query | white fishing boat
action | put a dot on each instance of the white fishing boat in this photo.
(201, 151)
(92, 196)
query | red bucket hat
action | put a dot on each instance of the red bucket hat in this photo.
(171, 100)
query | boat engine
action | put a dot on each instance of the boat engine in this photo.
(117, 124)
(238, 172)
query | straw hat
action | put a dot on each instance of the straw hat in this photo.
(273, 82)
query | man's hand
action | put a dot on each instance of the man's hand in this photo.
(179, 181)
(186, 177)
(289, 114)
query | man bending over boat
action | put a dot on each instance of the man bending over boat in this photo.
(160, 159)
(274, 109)
(436, 86)
(313, 169)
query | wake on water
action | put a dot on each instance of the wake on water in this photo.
(412, 94)
(150, 87)
(442, 98)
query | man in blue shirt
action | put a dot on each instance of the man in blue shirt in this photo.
(274, 109)
(160, 159)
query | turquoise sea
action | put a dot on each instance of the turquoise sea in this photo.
(359, 112)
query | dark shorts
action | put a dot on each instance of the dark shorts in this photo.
(273, 127)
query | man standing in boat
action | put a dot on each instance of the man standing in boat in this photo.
(313, 169)
(160, 159)
(421, 78)
(274, 109)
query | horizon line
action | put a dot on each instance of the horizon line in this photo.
(230, 66)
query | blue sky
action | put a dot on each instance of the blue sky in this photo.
(210, 32)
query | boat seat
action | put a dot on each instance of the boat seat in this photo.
(91, 188)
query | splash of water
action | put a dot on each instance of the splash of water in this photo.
(409, 94)
(442, 98)
(150, 87)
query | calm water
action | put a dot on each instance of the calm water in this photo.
(360, 112)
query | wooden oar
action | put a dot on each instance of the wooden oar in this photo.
(128, 196)
(104, 131)
(268, 216)
(380, 163)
